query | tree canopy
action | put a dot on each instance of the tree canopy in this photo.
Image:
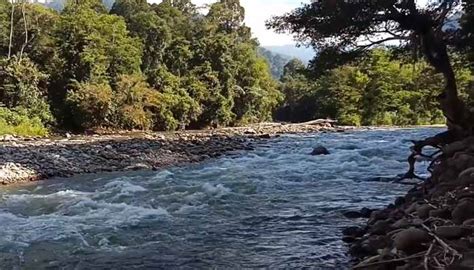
(345, 30)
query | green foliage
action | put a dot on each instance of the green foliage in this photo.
(22, 86)
(19, 122)
(95, 46)
(24, 110)
(377, 90)
(90, 104)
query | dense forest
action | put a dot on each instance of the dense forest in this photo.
(381, 88)
(168, 66)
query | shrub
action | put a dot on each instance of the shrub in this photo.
(21, 87)
(19, 122)
(90, 104)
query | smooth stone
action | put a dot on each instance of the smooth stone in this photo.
(401, 224)
(450, 232)
(463, 211)
(440, 213)
(351, 214)
(469, 222)
(424, 211)
(412, 208)
(400, 201)
(380, 227)
(411, 239)
(353, 231)
(366, 212)
(320, 150)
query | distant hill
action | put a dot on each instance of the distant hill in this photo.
(276, 61)
(302, 53)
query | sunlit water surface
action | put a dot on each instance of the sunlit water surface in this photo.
(276, 207)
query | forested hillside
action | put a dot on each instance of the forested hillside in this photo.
(168, 66)
(381, 88)
(276, 61)
(139, 66)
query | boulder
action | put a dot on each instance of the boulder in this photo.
(441, 213)
(320, 150)
(352, 214)
(401, 224)
(380, 227)
(450, 232)
(366, 212)
(424, 211)
(353, 231)
(463, 211)
(410, 240)
(469, 222)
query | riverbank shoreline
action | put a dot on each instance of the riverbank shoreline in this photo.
(431, 227)
(29, 160)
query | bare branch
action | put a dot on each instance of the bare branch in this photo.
(11, 30)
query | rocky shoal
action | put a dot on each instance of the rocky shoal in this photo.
(432, 227)
(23, 160)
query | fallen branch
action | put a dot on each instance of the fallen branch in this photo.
(442, 243)
(427, 255)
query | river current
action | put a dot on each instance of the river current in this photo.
(276, 207)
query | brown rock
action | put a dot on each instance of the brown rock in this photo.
(450, 232)
(441, 213)
(412, 208)
(401, 224)
(469, 222)
(463, 211)
(320, 150)
(380, 227)
(411, 239)
(424, 211)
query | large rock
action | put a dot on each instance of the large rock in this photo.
(320, 150)
(440, 213)
(424, 211)
(463, 211)
(451, 232)
(410, 240)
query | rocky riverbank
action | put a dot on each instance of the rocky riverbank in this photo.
(432, 227)
(23, 160)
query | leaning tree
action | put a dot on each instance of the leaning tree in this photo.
(343, 30)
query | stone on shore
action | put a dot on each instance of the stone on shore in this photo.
(23, 160)
(451, 232)
(463, 211)
(410, 240)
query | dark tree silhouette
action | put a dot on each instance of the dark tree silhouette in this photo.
(343, 30)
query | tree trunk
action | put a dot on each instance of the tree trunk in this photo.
(454, 109)
(26, 29)
(11, 30)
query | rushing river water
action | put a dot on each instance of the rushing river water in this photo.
(276, 208)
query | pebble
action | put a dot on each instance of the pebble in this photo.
(44, 158)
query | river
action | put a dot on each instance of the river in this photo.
(276, 207)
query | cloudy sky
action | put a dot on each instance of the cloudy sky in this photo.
(258, 11)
